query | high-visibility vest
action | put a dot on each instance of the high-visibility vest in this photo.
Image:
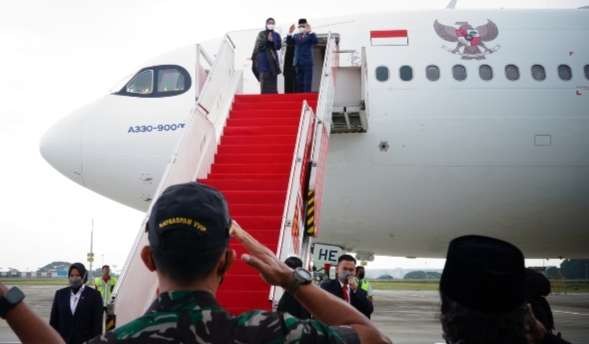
(364, 285)
(105, 288)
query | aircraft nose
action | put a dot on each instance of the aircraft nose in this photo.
(61, 147)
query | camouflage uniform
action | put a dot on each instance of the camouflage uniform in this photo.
(195, 317)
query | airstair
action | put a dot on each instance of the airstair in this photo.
(267, 154)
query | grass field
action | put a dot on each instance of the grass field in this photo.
(34, 281)
(558, 286)
(404, 285)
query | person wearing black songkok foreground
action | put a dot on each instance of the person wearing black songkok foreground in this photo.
(483, 294)
(76, 313)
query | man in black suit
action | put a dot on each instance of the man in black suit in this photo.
(77, 310)
(346, 286)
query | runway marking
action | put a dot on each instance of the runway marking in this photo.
(572, 313)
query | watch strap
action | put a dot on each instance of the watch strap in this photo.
(6, 305)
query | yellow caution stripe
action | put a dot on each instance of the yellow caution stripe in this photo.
(310, 223)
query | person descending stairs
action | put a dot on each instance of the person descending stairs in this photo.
(252, 169)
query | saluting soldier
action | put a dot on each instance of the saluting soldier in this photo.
(188, 231)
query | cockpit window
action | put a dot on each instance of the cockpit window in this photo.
(170, 80)
(142, 83)
(157, 81)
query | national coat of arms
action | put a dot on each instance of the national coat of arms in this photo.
(470, 41)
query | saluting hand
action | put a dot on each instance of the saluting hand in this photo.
(260, 257)
(291, 29)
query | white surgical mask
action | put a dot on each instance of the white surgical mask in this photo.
(301, 29)
(270, 27)
(344, 276)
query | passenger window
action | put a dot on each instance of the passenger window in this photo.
(170, 80)
(142, 83)
(512, 72)
(432, 73)
(486, 72)
(382, 73)
(564, 72)
(459, 72)
(406, 73)
(538, 72)
(587, 71)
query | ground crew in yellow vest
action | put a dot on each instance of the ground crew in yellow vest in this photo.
(105, 284)
(363, 282)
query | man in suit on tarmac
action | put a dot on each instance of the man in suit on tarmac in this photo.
(345, 286)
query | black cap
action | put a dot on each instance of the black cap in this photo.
(191, 218)
(537, 285)
(294, 262)
(485, 274)
(302, 21)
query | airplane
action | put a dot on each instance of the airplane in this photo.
(443, 123)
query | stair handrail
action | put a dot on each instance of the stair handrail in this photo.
(327, 85)
(320, 143)
(292, 227)
(192, 158)
(213, 99)
(204, 63)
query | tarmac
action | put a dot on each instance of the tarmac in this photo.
(407, 317)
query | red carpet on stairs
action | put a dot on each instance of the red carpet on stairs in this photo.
(252, 168)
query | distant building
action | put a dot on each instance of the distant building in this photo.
(9, 273)
(54, 270)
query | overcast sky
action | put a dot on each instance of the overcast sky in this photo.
(57, 55)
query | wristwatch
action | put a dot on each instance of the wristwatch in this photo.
(300, 277)
(11, 299)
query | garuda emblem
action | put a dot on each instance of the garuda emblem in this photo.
(470, 41)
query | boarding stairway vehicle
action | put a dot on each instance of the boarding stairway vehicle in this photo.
(267, 154)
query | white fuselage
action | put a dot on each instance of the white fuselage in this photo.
(441, 158)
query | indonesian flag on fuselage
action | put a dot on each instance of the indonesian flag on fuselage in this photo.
(389, 37)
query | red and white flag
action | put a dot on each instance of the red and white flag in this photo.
(389, 37)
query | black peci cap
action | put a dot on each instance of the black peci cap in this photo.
(537, 285)
(191, 218)
(485, 274)
(302, 21)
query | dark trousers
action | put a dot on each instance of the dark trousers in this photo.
(290, 84)
(268, 83)
(304, 78)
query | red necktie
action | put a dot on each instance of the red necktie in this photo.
(346, 291)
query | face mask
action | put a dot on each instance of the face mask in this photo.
(75, 282)
(344, 276)
(270, 27)
(301, 29)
